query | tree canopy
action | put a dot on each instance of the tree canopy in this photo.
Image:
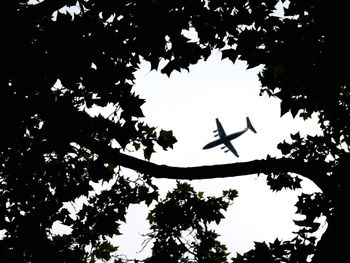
(61, 58)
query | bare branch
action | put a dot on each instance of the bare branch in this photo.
(315, 171)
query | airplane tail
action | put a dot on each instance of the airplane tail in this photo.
(250, 126)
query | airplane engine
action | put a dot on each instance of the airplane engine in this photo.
(216, 133)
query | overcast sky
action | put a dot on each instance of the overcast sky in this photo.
(188, 103)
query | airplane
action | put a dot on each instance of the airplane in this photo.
(226, 139)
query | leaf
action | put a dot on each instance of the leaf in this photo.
(150, 198)
(284, 147)
(104, 250)
(252, 63)
(231, 54)
(294, 110)
(200, 195)
(295, 136)
(173, 65)
(230, 194)
(154, 63)
(136, 146)
(151, 218)
(285, 107)
(148, 151)
(306, 223)
(166, 139)
(131, 105)
(145, 128)
(305, 115)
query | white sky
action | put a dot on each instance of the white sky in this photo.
(188, 103)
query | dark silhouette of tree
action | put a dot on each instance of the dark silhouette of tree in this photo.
(62, 57)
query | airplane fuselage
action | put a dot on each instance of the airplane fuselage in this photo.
(222, 140)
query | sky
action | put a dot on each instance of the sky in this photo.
(188, 103)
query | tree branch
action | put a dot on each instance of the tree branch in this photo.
(315, 171)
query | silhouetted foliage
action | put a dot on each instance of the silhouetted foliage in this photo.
(61, 58)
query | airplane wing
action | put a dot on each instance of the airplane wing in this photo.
(221, 130)
(231, 148)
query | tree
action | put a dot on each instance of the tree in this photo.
(61, 58)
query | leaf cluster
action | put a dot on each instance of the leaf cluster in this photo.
(180, 226)
(149, 136)
(295, 250)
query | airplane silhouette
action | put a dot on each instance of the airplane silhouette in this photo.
(226, 139)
